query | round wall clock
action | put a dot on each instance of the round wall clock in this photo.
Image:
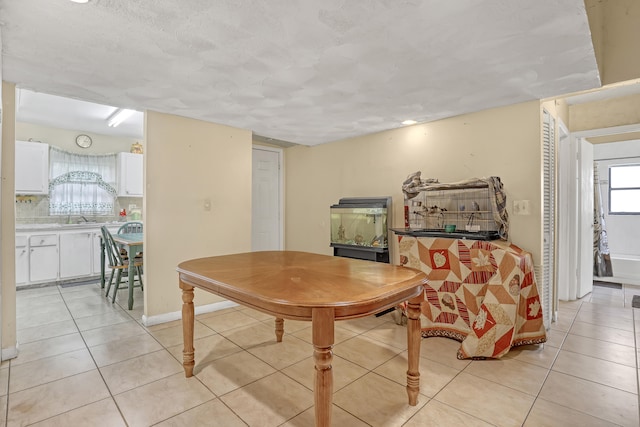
(83, 141)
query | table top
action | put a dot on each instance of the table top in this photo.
(290, 284)
(131, 239)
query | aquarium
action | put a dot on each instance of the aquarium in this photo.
(360, 227)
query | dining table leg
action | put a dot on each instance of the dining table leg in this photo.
(413, 344)
(188, 353)
(322, 323)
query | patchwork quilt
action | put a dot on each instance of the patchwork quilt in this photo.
(482, 293)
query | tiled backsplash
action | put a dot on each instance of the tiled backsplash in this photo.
(35, 210)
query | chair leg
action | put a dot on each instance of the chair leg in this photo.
(115, 291)
(106, 294)
(140, 278)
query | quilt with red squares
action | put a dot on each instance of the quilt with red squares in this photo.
(482, 293)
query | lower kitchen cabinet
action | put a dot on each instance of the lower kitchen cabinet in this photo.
(59, 256)
(43, 258)
(75, 254)
(22, 260)
(97, 238)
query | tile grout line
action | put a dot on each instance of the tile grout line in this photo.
(553, 363)
(86, 348)
(9, 379)
(94, 360)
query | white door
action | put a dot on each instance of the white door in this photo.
(585, 219)
(266, 218)
(567, 260)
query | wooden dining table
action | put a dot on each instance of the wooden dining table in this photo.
(132, 243)
(312, 287)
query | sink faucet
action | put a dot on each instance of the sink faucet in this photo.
(79, 220)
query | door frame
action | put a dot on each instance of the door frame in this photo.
(280, 153)
(569, 268)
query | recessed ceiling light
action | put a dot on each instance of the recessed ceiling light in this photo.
(409, 122)
(80, 1)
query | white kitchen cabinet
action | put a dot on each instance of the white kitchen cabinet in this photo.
(96, 250)
(95, 243)
(130, 175)
(75, 254)
(22, 260)
(43, 258)
(32, 168)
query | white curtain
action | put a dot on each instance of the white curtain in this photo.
(81, 184)
(601, 258)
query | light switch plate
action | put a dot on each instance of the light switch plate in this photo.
(521, 207)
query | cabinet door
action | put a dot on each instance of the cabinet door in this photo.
(75, 255)
(97, 237)
(96, 253)
(130, 175)
(43, 264)
(32, 168)
(22, 265)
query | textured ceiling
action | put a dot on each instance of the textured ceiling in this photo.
(306, 72)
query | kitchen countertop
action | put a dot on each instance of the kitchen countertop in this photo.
(63, 227)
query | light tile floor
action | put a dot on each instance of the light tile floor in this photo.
(86, 362)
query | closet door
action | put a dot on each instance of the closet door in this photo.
(266, 217)
(548, 216)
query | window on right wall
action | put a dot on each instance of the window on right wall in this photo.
(624, 189)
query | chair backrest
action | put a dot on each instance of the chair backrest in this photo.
(130, 227)
(111, 248)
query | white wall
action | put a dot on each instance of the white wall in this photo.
(623, 231)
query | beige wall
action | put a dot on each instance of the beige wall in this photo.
(559, 109)
(502, 141)
(7, 216)
(605, 113)
(621, 48)
(187, 161)
(615, 33)
(66, 139)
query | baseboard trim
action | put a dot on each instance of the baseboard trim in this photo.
(177, 315)
(9, 353)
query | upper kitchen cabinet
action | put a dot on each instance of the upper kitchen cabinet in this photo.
(32, 168)
(130, 175)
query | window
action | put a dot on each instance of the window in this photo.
(624, 189)
(81, 184)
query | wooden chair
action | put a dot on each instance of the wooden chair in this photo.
(117, 264)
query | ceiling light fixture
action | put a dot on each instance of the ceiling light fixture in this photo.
(119, 116)
(409, 122)
(80, 1)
